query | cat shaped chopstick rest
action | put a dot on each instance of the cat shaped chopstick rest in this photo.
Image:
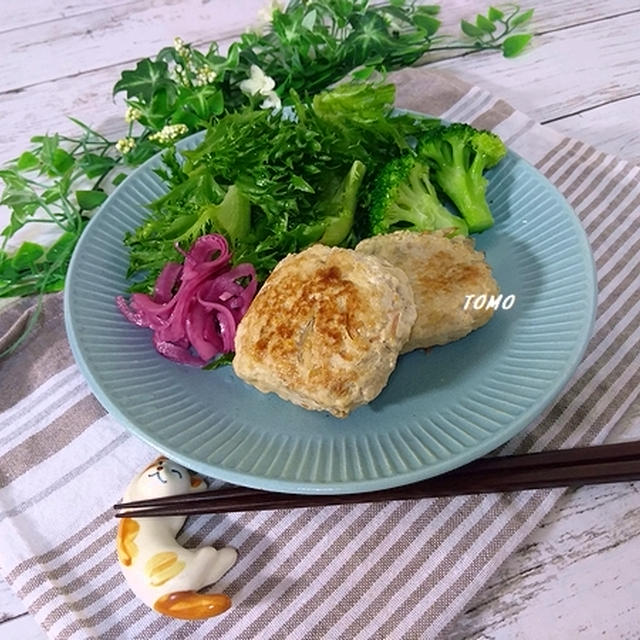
(163, 574)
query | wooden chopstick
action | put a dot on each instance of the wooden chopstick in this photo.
(599, 464)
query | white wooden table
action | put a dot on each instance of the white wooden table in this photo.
(577, 575)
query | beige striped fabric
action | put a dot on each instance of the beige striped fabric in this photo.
(385, 571)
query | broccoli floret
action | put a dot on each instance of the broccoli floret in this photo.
(404, 198)
(458, 155)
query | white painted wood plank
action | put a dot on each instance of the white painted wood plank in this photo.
(15, 622)
(46, 108)
(553, 13)
(101, 38)
(80, 42)
(23, 14)
(22, 628)
(559, 14)
(10, 605)
(576, 575)
(563, 72)
(614, 128)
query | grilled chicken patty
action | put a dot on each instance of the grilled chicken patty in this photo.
(325, 330)
(442, 272)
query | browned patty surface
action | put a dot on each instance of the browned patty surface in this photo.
(442, 271)
(325, 330)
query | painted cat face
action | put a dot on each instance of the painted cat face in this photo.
(164, 478)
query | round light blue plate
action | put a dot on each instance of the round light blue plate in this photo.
(441, 408)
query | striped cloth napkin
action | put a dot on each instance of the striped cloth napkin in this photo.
(383, 571)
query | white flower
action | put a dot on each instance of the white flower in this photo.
(181, 48)
(272, 101)
(204, 76)
(181, 74)
(132, 114)
(265, 15)
(169, 132)
(125, 145)
(260, 84)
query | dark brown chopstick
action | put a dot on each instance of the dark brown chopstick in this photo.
(600, 464)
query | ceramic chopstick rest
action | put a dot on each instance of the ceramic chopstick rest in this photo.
(162, 573)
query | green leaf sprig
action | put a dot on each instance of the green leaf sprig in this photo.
(57, 182)
(495, 30)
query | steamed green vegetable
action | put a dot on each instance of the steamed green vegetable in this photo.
(458, 156)
(405, 198)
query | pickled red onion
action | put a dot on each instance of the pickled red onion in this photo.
(196, 306)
